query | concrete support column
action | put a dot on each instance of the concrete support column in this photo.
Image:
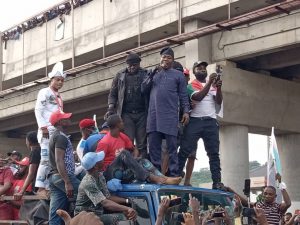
(234, 156)
(10, 144)
(288, 147)
(198, 49)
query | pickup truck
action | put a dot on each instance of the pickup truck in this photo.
(146, 199)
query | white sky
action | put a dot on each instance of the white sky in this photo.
(13, 12)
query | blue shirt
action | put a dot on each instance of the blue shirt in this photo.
(91, 142)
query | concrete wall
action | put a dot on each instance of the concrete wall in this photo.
(257, 100)
(256, 39)
(121, 23)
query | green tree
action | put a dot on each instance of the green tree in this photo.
(253, 165)
(200, 177)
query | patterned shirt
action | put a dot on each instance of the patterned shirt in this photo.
(61, 141)
(91, 192)
(272, 211)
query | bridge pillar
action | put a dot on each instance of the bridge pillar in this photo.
(234, 156)
(10, 144)
(289, 151)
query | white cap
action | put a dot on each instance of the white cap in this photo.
(57, 71)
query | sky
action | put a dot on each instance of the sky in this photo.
(13, 12)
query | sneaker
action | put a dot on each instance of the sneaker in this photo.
(219, 186)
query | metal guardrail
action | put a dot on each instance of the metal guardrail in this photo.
(276, 9)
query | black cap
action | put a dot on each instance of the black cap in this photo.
(133, 58)
(14, 153)
(177, 66)
(167, 51)
(198, 63)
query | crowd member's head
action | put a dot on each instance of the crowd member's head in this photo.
(115, 122)
(93, 162)
(60, 119)
(186, 73)
(199, 69)
(15, 155)
(133, 61)
(287, 217)
(167, 58)
(31, 139)
(23, 167)
(269, 194)
(87, 127)
(57, 76)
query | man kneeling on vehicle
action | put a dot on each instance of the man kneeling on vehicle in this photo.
(93, 195)
(121, 156)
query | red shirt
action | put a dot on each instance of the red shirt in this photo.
(6, 176)
(18, 184)
(113, 146)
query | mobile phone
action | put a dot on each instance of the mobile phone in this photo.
(297, 212)
(218, 214)
(177, 217)
(175, 201)
(247, 187)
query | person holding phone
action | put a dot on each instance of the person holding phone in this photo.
(205, 95)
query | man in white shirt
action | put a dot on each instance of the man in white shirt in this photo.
(48, 101)
(205, 96)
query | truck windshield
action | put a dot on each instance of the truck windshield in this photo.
(209, 203)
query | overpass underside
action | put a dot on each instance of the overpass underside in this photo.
(260, 83)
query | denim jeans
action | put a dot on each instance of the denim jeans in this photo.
(208, 130)
(125, 161)
(58, 197)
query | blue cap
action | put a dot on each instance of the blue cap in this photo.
(114, 185)
(90, 159)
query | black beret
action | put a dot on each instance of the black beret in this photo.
(167, 51)
(133, 58)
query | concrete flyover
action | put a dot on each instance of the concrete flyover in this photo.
(260, 62)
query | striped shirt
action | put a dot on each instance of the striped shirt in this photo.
(272, 212)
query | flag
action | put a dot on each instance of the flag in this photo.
(274, 166)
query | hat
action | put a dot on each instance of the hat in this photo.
(133, 58)
(23, 162)
(104, 125)
(57, 116)
(167, 51)
(14, 153)
(90, 159)
(57, 71)
(177, 66)
(114, 185)
(86, 123)
(186, 72)
(196, 64)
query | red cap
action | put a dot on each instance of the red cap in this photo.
(23, 162)
(57, 116)
(86, 123)
(186, 72)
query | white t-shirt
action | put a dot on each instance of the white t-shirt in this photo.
(47, 102)
(80, 148)
(205, 107)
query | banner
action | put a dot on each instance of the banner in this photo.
(274, 166)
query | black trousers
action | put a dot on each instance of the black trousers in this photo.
(135, 129)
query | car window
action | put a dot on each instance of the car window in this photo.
(140, 204)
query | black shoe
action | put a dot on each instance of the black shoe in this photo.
(219, 186)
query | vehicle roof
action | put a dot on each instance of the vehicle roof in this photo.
(155, 187)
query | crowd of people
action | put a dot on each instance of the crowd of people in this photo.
(153, 123)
